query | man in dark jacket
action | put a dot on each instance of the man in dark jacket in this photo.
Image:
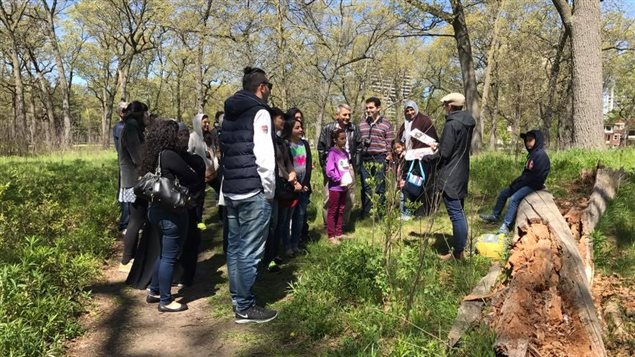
(532, 179)
(247, 188)
(454, 167)
(353, 147)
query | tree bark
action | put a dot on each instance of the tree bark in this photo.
(583, 22)
(553, 81)
(493, 137)
(491, 64)
(20, 114)
(46, 98)
(61, 71)
(464, 47)
(200, 92)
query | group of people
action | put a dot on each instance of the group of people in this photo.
(260, 165)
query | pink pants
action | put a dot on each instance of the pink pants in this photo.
(335, 213)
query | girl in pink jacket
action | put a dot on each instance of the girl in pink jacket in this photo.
(339, 178)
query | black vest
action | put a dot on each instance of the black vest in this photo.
(240, 172)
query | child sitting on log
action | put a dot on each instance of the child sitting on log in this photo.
(532, 179)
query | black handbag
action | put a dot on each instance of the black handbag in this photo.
(167, 192)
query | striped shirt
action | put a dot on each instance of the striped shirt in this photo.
(380, 133)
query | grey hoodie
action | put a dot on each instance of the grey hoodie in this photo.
(197, 145)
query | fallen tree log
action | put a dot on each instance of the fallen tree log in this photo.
(472, 305)
(582, 221)
(546, 307)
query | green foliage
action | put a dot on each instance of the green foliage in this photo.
(56, 223)
(614, 237)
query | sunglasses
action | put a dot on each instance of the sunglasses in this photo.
(268, 84)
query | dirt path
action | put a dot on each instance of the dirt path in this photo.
(121, 323)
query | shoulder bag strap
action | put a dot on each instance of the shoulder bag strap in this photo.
(158, 170)
(412, 163)
(422, 173)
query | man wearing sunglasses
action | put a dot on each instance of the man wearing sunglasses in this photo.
(247, 189)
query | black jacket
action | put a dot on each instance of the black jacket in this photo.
(454, 154)
(325, 142)
(537, 166)
(130, 148)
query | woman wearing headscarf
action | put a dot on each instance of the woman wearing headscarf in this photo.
(416, 120)
(197, 146)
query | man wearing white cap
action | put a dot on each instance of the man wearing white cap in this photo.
(454, 167)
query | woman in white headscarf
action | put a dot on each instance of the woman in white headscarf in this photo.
(197, 146)
(416, 120)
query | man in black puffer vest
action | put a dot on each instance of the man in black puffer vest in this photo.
(248, 186)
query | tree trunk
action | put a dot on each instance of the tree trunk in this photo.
(587, 75)
(553, 81)
(122, 76)
(20, 115)
(106, 118)
(493, 138)
(491, 64)
(464, 48)
(281, 54)
(66, 110)
(200, 93)
(46, 99)
(583, 23)
(565, 120)
(33, 139)
(179, 114)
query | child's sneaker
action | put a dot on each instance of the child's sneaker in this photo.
(503, 229)
(488, 218)
(334, 241)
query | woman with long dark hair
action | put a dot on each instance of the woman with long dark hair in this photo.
(300, 154)
(172, 224)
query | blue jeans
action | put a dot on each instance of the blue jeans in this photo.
(248, 225)
(298, 220)
(380, 181)
(402, 204)
(454, 206)
(124, 207)
(516, 197)
(173, 229)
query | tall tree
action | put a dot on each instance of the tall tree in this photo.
(456, 19)
(582, 21)
(48, 14)
(11, 16)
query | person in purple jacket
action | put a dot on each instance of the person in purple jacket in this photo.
(338, 173)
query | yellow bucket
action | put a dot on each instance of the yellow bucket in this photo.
(491, 245)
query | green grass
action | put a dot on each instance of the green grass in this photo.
(57, 223)
(56, 227)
